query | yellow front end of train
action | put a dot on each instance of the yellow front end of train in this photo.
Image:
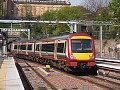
(83, 50)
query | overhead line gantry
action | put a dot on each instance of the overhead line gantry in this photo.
(72, 24)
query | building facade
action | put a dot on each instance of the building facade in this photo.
(7, 8)
(18, 9)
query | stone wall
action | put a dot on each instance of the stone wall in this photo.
(109, 49)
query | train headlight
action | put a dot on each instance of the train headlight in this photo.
(72, 57)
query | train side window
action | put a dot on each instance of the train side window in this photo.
(29, 47)
(15, 46)
(37, 47)
(23, 47)
(43, 47)
(60, 48)
(48, 47)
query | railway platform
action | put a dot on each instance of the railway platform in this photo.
(9, 77)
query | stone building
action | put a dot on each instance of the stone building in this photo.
(17, 9)
(7, 8)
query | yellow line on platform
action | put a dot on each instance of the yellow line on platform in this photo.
(3, 71)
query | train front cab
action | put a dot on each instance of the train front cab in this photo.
(81, 52)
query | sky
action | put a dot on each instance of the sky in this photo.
(81, 2)
(75, 2)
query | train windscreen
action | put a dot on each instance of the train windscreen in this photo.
(81, 46)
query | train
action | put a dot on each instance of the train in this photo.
(71, 52)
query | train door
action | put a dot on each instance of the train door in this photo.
(38, 48)
(61, 49)
(55, 49)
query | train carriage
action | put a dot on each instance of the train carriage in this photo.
(68, 52)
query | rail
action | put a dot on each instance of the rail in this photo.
(111, 64)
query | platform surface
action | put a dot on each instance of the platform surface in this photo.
(9, 77)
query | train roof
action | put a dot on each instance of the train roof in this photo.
(66, 36)
(57, 37)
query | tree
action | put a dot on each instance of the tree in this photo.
(104, 15)
(70, 13)
(115, 10)
(95, 5)
(49, 15)
(66, 13)
(115, 7)
(92, 5)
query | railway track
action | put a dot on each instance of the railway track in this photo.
(109, 73)
(40, 81)
(109, 68)
(104, 83)
(99, 81)
(59, 80)
(40, 76)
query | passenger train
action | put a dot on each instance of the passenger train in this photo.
(68, 52)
